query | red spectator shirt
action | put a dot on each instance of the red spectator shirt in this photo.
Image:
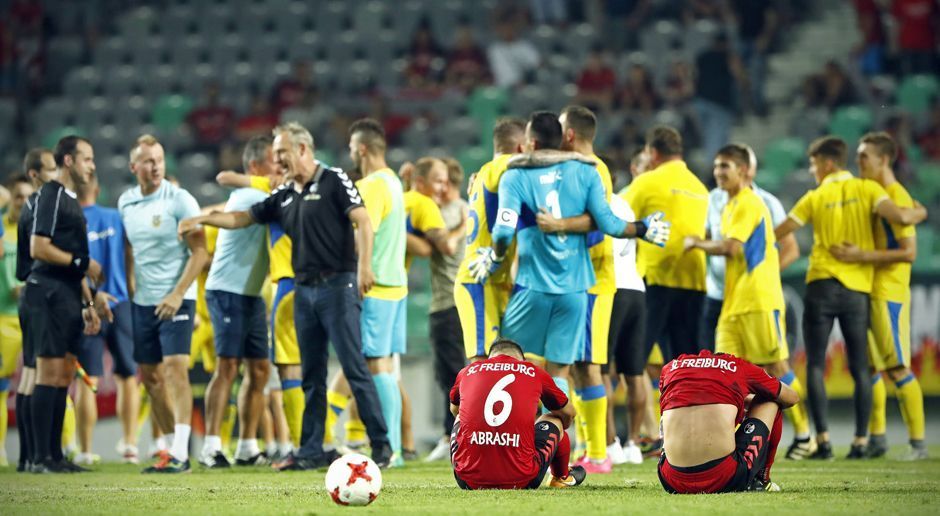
(499, 399)
(915, 23)
(211, 124)
(708, 379)
(597, 81)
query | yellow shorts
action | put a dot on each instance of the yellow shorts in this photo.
(889, 338)
(481, 308)
(758, 337)
(598, 329)
(11, 343)
(286, 349)
(656, 356)
(202, 348)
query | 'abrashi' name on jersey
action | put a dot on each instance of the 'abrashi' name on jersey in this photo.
(494, 439)
(708, 362)
(499, 367)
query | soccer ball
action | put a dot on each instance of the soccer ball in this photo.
(353, 479)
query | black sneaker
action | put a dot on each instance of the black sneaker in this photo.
(49, 466)
(382, 455)
(877, 447)
(293, 463)
(71, 467)
(857, 451)
(257, 460)
(23, 467)
(576, 476)
(801, 448)
(217, 460)
(409, 455)
(823, 451)
(763, 486)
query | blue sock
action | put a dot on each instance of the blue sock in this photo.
(390, 398)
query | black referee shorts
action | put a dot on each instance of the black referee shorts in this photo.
(54, 320)
(628, 331)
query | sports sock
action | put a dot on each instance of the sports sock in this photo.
(270, 447)
(284, 448)
(229, 418)
(655, 404)
(64, 425)
(562, 457)
(22, 426)
(390, 399)
(4, 394)
(293, 408)
(772, 441)
(42, 411)
(212, 445)
(180, 447)
(580, 424)
(355, 430)
(878, 423)
(246, 449)
(594, 415)
(335, 405)
(911, 400)
(797, 413)
(144, 411)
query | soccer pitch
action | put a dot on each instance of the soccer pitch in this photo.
(840, 486)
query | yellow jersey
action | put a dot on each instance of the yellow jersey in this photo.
(279, 244)
(893, 280)
(841, 209)
(379, 190)
(484, 202)
(422, 215)
(202, 309)
(601, 246)
(674, 190)
(752, 279)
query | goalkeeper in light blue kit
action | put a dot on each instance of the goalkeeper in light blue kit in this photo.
(546, 313)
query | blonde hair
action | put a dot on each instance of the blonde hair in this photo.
(144, 139)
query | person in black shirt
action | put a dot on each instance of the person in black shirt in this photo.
(318, 210)
(54, 294)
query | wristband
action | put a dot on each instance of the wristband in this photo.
(640, 228)
(79, 264)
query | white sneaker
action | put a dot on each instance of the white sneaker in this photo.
(86, 459)
(441, 451)
(128, 452)
(616, 453)
(632, 453)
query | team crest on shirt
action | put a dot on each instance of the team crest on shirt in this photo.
(155, 221)
(749, 428)
(313, 194)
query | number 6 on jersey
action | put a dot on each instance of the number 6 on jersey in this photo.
(497, 393)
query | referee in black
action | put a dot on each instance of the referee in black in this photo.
(318, 211)
(57, 301)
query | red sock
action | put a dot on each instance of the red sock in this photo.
(562, 456)
(772, 443)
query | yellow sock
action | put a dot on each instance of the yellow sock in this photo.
(656, 393)
(799, 418)
(293, 408)
(4, 394)
(144, 411)
(594, 416)
(335, 405)
(68, 426)
(355, 430)
(579, 423)
(228, 424)
(911, 400)
(878, 423)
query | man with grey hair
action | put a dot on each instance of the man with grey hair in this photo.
(238, 314)
(322, 212)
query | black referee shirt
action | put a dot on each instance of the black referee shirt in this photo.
(317, 221)
(24, 229)
(59, 216)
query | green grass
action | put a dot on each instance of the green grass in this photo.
(873, 487)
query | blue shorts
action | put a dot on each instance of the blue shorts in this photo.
(155, 339)
(118, 337)
(551, 326)
(383, 326)
(239, 324)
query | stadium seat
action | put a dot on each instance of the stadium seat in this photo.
(700, 36)
(343, 48)
(472, 158)
(215, 21)
(529, 98)
(851, 122)
(53, 113)
(148, 52)
(485, 104)
(383, 46)
(82, 83)
(445, 16)
(370, 18)
(545, 38)
(305, 46)
(49, 140)
(331, 19)
(170, 111)
(916, 91)
(141, 21)
(162, 80)
(927, 180)
(579, 40)
(93, 113)
(111, 52)
(195, 169)
(660, 38)
(461, 132)
(122, 81)
(265, 49)
(189, 52)
(7, 115)
(782, 156)
(130, 114)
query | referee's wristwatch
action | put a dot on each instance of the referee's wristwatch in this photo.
(88, 304)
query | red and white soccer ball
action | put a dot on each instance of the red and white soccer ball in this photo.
(353, 479)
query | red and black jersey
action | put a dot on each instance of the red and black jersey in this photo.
(499, 400)
(708, 378)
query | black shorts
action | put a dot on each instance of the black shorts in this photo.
(627, 332)
(54, 320)
(547, 437)
(673, 317)
(733, 473)
(118, 337)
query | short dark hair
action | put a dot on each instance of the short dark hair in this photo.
(508, 133)
(17, 178)
(33, 159)
(545, 129)
(737, 153)
(67, 146)
(506, 346)
(664, 140)
(371, 134)
(883, 143)
(255, 150)
(454, 171)
(582, 120)
(829, 147)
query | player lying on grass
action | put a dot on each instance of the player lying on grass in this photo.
(497, 442)
(703, 397)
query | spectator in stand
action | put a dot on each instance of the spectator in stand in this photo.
(929, 138)
(624, 20)
(898, 126)
(311, 111)
(917, 22)
(511, 58)
(425, 57)
(758, 21)
(638, 95)
(679, 87)
(467, 67)
(30, 36)
(258, 122)
(719, 74)
(291, 90)
(597, 82)
(549, 12)
(7, 59)
(211, 123)
(837, 87)
(869, 52)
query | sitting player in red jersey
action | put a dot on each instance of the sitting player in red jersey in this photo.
(497, 442)
(703, 397)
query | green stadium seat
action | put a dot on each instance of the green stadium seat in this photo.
(783, 155)
(170, 111)
(916, 91)
(851, 122)
(927, 179)
(472, 158)
(53, 137)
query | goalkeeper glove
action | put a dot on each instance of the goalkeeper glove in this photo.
(485, 264)
(654, 229)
